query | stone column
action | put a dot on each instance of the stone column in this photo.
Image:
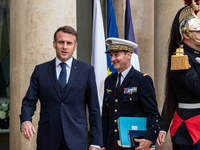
(32, 25)
(165, 12)
(142, 12)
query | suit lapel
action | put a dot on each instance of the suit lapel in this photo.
(52, 74)
(126, 81)
(73, 74)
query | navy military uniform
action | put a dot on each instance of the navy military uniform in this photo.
(142, 103)
(186, 84)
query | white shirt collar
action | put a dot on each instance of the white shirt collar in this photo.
(125, 72)
(68, 62)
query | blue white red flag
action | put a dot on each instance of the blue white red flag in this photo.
(129, 35)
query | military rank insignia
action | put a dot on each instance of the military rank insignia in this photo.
(130, 90)
(108, 90)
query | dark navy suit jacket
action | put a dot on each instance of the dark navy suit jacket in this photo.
(64, 115)
(142, 103)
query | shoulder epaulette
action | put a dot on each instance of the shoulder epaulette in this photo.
(145, 74)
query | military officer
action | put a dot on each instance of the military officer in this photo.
(139, 101)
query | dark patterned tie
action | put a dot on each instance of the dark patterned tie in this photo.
(63, 75)
(119, 81)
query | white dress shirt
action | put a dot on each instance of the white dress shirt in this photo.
(59, 68)
(124, 73)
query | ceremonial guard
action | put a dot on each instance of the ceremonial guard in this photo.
(127, 93)
(182, 100)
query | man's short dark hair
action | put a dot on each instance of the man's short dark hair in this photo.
(66, 29)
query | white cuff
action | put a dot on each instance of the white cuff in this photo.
(163, 131)
(95, 146)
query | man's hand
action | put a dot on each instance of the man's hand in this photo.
(143, 144)
(93, 148)
(161, 138)
(28, 130)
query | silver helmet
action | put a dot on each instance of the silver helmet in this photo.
(189, 21)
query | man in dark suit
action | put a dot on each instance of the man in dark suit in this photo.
(64, 86)
(139, 102)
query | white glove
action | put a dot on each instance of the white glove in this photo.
(197, 59)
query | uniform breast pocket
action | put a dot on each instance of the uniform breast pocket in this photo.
(131, 98)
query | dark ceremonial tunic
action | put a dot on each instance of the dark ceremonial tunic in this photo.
(142, 103)
(186, 84)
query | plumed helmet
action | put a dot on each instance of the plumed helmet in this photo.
(188, 19)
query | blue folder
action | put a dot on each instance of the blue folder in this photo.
(129, 123)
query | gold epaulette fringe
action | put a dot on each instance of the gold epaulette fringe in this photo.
(179, 61)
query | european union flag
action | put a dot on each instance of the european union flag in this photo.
(111, 32)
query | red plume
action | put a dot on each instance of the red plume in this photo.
(189, 2)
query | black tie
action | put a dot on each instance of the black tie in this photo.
(119, 81)
(63, 75)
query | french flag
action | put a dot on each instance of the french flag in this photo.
(129, 35)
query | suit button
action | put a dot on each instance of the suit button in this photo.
(115, 120)
(156, 120)
(115, 130)
(62, 104)
(115, 110)
(116, 100)
(130, 99)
